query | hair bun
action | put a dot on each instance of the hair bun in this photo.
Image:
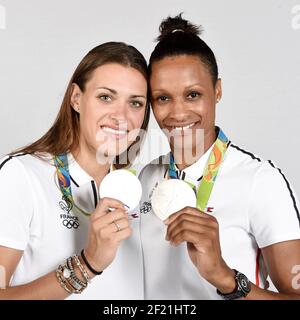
(177, 24)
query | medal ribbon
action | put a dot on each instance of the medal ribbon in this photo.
(64, 180)
(210, 172)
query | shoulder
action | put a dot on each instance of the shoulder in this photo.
(239, 156)
(248, 165)
(268, 181)
(10, 163)
(14, 165)
(245, 160)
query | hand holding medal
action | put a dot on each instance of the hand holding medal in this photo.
(120, 192)
(175, 202)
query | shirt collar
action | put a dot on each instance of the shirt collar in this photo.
(78, 175)
(194, 172)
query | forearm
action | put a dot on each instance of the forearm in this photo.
(44, 288)
(262, 294)
(225, 282)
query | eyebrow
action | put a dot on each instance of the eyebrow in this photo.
(186, 88)
(109, 89)
(115, 92)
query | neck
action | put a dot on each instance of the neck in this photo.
(185, 157)
(86, 158)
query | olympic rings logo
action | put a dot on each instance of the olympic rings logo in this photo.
(70, 224)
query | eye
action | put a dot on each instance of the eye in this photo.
(161, 98)
(193, 95)
(137, 104)
(105, 97)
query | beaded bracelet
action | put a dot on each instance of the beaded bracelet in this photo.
(68, 279)
(82, 269)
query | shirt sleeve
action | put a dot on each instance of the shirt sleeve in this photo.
(16, 207)
(273, 214)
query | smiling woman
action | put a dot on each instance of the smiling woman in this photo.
(235, 218)
(58, 213)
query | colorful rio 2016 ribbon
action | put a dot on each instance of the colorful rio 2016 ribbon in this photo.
(64, 181)
(210, 172)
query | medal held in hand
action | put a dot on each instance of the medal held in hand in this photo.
(171, 196)
(122, 185)
(174, 194)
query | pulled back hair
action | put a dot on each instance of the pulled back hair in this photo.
(180, 37)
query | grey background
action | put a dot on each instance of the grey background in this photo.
(257, 45)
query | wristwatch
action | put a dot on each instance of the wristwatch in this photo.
(242, 288)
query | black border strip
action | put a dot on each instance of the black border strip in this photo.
(289, 188)
(9, 158)
(76, 184)
(4, 162)
(95, 193)
(246, 152)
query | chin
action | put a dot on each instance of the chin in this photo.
(108, 154)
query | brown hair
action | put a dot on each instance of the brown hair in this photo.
(63, 136)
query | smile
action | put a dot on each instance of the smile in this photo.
(182, 128)
(114, 132)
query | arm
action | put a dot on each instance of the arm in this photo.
(103, 242)
(280, 259)
(46, 287)
(201, 232)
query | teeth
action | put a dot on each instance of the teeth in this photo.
(110, 130)
(184, 128)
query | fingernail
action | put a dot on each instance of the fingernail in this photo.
(167, 238)
(166, 221)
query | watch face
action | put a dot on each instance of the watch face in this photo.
(244, 283)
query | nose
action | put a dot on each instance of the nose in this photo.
(178, 112)
(119, 112)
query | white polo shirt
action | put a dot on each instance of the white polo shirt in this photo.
(255, 207)
(35, 219)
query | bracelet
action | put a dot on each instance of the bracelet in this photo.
(82, 269)
(68, 279)
(62, 282)
(95, 272)
(68, 282)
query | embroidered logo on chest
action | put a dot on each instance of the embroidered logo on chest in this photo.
(145, 207)
(69, 221)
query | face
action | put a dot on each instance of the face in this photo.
(183, 99)
(111, 108)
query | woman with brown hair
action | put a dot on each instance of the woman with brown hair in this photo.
(49, 201)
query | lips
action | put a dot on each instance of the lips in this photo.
(114, 132)
(184, 127)
(181, 129)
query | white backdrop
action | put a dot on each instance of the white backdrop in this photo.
(257, 45)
